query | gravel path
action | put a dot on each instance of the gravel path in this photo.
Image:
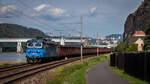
(101, 74)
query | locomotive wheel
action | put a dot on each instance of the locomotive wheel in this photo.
(43, 60)
(39, 60)
(29, 60)
(35, 61)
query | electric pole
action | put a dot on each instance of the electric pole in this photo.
(81, 32)
(97, 44)
(61, 37)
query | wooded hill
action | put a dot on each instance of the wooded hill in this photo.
(18, 31)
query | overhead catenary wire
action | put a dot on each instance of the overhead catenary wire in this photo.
(27, 6)
(18, 13)
(35, 20)
(20, 1)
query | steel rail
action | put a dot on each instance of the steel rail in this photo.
(8, 78)
(13, 67)
(17, 75)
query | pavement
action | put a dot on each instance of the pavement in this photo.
(101, 74)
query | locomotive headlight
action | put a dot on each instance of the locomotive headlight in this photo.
(29, 51)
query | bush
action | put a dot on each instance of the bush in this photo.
(147, 42)
(132, 47)
(121, 47)
(147, 37)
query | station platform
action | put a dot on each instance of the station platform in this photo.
(101, 74)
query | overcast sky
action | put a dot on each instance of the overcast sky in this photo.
(102, 16)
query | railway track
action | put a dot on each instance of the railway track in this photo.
(12, 74)
(3, 69)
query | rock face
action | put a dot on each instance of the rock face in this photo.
(137, 21)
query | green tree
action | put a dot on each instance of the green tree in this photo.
(147, 42)
(121, 47)
(18, 31)
(147, 37)
(132, 47)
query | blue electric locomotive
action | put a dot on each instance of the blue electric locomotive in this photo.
(40, 49)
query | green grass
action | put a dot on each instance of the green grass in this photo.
(8, 64)
(128, 77)
(75, 74)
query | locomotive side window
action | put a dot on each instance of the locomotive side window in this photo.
(45, 46)
(50, 46)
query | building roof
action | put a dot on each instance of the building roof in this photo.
(139, 33)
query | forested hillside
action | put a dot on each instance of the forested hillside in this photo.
(18, 31)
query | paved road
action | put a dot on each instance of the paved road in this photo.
(100, 74)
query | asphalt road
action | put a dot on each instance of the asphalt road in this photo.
(101, 74)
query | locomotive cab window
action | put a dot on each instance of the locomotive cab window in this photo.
(34, 45)
(30, 45)
(38, 45)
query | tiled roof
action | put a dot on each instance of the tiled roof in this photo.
(139, 33)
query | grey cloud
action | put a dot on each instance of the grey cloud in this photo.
(9, 11)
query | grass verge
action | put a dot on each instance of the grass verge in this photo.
(8, 64)
(128, 77)
(75, 73)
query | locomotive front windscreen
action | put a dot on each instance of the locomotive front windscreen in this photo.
(34, 45)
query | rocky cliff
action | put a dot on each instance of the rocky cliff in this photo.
(137, 21)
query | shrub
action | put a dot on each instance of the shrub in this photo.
(132, 47)
(147, 37)
(121, 47)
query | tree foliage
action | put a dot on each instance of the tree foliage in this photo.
(121, 47)
(18, 31)
(132, 47)
(147, 42)
(147, 37)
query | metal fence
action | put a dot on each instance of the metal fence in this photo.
(136, 64)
